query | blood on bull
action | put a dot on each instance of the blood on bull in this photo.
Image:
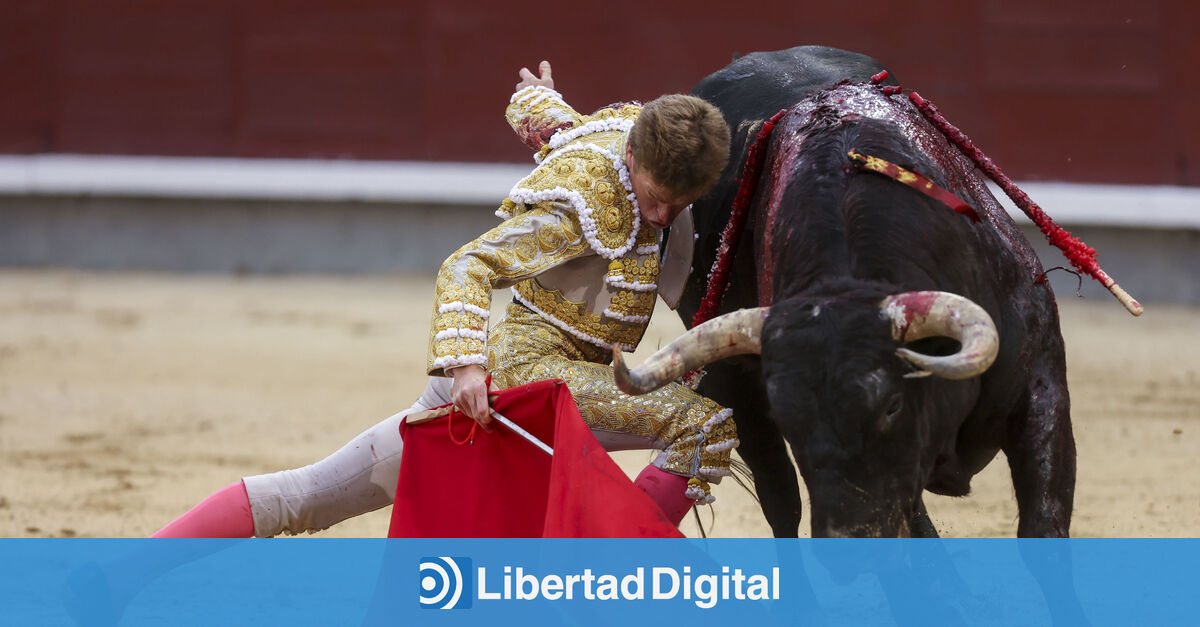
(894, 339)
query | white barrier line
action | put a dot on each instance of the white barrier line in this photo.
(265, 179)
(1137, 206)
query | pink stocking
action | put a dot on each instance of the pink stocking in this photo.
(666, 490)
(224, 514)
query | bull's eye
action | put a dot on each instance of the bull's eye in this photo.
(895, 404)
(894, 407)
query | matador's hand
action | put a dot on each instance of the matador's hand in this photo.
(528, 79)
(470, 393)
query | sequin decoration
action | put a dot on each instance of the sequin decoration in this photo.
(673, 418)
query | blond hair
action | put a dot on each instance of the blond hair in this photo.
(682, 142)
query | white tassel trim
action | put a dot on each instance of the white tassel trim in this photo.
(717, 419)
(575, 199)
(533, 91)
(529, 196)
(625, 318)
(700, 495)
(453, 361)
(473, 334)
(524, 92)
(503, 215)
(646, 250)
(721, 447)
(566, 327)
(619, 281)
(548, 95)
(563, 137)
(458, 305)
(713, 471)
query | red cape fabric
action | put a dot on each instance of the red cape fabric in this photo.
(503, 486)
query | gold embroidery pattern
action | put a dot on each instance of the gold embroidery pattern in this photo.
(616, 267)
(507, 209)
(584, 167)
(550, 238)
(647, 236)
(722, 432)
(602, 136)
(645, 271)
(528, 348)
(596, 179)
(448, 291)
(634, 271)
(632, 303)
(523, 246)
(462, 346)
(587, 326)
(457, 320)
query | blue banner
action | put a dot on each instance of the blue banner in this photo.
(598, 582)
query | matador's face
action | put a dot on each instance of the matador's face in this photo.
(659, 207)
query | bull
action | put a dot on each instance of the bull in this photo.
(895, 345)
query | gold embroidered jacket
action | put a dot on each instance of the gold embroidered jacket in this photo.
(572, 245)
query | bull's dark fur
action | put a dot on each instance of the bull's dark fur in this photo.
(868, 441)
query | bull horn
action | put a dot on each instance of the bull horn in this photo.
(735, 333)
(918, 315)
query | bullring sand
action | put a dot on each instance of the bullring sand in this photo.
(126, 398)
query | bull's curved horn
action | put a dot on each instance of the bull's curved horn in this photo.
(735, 333)
(918, 315)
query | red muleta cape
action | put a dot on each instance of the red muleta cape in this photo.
(501, 485)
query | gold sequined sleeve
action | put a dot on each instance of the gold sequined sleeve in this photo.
(546, 235)
(536, 113)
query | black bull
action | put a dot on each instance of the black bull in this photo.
(825, 245)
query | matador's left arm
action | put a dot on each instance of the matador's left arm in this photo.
(524, 246)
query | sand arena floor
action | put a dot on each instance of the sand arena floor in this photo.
(126, 398)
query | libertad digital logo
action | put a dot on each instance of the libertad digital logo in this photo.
(443, 580)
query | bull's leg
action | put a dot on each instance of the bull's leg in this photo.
(922, 524)
(762, 446)
(765, 452)
(1041, 455)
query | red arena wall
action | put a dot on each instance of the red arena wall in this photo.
(1073, 91)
